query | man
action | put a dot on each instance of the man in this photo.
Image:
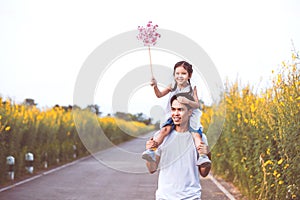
(177, 156)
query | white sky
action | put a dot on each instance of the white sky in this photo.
(43, 44)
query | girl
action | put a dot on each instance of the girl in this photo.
(182, 74)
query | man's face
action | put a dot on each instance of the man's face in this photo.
(180, 113)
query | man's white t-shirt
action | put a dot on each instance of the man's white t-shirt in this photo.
(178, 172)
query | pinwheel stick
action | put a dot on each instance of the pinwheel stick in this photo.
(150, 62)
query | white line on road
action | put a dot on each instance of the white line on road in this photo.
(221, 187)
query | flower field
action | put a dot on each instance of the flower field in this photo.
(51, 135)
(259, 148)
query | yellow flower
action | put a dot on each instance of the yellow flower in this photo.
(278, 175)
(252, 122)
(243, 159)
(252, 108)
(280, 161)
(280, 182)
(294, 57)
(268, 162)
(286, 166)
(279, 79)
(7, 128)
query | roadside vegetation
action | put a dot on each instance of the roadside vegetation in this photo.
(259, 148)
(51, 135)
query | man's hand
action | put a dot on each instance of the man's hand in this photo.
(203, 148)
(152, 166)
(151, 144)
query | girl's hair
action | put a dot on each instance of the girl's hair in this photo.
(189, 68)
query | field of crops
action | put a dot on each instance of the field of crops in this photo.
(51, 135)
(259, 148)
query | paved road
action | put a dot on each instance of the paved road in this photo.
(116, 173)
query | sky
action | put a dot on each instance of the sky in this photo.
(43, 44)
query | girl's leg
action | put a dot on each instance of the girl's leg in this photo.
(197, 139)
(164, 131)
(202, 157)
(149, 154)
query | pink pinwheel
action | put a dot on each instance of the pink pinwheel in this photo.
(149, 37)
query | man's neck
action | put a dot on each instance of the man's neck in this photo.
(181, 129)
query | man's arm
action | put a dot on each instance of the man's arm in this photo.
(152, 166)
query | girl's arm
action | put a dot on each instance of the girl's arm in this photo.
(184, 100)
(196, 99)
(194, 104)
(159, 93)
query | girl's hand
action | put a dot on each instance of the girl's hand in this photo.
(203, 148)
(153, 82)
(183, 100)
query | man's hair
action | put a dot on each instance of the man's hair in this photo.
(186, 95)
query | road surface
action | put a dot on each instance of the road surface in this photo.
(116, 173)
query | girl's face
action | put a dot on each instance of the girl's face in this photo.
(181, 76)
